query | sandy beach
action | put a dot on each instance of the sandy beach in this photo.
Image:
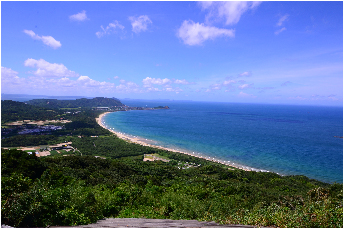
(144, 142)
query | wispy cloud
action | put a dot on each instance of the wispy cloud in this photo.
(230, 11)
(299, 98)
(246, 95)
(282, 19)
(245, 86)
(111, 28)
(287, 83)
(280, 22)
(166, 84)
(195, 34)
(140, 23)
(79, 16)
(47, 40)
(280, 30)
(332, 97)
(245, 74)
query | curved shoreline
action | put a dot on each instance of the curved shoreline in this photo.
(139, 141)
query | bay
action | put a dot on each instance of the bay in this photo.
(286, 139)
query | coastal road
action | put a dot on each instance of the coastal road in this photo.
(151, 223)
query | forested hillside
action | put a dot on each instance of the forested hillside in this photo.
(83, 189)
(14, 110)
(83, 103)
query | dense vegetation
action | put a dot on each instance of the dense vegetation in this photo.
(82, 189)
(14, 111)
(83, 103)
(70, 190)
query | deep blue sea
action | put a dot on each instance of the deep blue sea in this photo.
(286, 139)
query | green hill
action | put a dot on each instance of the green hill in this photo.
(83, 103)
(14, 111)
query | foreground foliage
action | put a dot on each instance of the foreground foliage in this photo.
(83, 189)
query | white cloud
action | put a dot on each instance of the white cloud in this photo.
(153, 89)
(165, 84)
(8, 73)
(177, 90)
(246, 95)
(116, 77)
(148, 81)
(245, 74)
(11, 83)
(32, 34)
(111, 28)
(228, 82)
(46, 69)
(140, 23)
(280, 23)
(195, 34)
(128, 87)
(282, 19)
(216, 86)
(183, 81)
(79, 16)
(244, 86)
(280, 30)
(47, 40)
(9, 78)
(219, 85)
(88, 82)
(230, 11)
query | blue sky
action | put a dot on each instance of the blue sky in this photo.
(256, 52)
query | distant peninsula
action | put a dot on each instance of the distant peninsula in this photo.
(97, 103)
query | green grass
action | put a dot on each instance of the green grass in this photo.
(54, 152)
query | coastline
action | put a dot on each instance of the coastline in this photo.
(139, 141)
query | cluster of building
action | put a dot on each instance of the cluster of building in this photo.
(41, 151)
(74, 113)
(39, 129)
(187, 165)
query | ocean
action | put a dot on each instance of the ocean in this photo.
(285, 139)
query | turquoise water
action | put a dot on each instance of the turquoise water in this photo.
(289, 140)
